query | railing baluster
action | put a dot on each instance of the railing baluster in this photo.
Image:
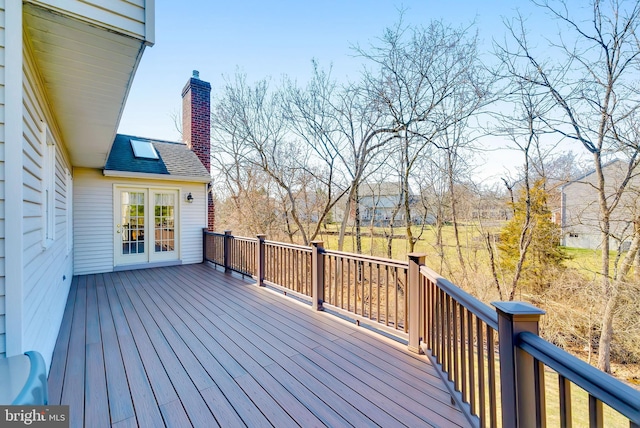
(406, 301)
(378, 318)
(456, 356)
(386, 298)
(541, 408)
(331, 291)
(359, 286)
(564, 389)
(481, 384)
(491, 365)
(349, 285)
(370, 291)
(446, 365)
(471, 363)
(441, 327)
(595, 413)
(438, 329)
(463, 354)
(396, 282)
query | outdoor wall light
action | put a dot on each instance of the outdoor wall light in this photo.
(189, 198)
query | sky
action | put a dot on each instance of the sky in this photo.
(272, 38)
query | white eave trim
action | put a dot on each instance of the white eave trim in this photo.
(147, 176)
(13, 184)
(150, 22)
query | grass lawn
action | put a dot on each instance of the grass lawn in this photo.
(472, 237)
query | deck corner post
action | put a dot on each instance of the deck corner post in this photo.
(204, 244)
(518, 374)
(260, 260)
(227, 251)
(413, 295)
(317, 275)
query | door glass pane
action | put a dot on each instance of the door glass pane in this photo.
(132, 222)
(164, 211)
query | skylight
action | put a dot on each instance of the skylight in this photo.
(143, 149)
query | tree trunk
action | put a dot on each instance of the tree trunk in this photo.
(345, 220)
(606, 337)
(439, 243)
(454, 217)
(608, 295)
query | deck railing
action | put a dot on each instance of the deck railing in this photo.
(492, 360)
(367, 289)
(287, 267)
(235, 253)
(458, 332)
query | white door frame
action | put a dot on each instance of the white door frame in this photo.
(143, 240)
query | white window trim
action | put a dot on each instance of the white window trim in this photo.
(48, 187)
(69, 208)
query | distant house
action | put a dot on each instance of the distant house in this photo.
(379, 202)
(579, 214)
(74, 196)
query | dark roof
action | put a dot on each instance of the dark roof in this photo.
(590, 172)
(175, 159)
(386, 188)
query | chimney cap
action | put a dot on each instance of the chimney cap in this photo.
(196, 74)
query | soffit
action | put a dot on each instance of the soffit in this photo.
(86, 72)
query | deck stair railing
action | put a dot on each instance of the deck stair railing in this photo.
(492, 360)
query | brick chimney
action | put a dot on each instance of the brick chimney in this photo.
(196, 127)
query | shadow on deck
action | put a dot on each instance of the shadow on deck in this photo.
(191, 346)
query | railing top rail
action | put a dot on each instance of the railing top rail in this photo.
(207, 232)
(292, 246)
(244, 238)
(479, 309)
(605, 388)
(366, 258)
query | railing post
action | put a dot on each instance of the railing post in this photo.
(521, 392)
(317, 275)
(260, 260)
(204, 244)
(413, 296)
(227, 251)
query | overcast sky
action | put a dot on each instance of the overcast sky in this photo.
(272, 38)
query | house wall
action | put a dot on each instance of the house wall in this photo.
(2, 206)
(123, 16)
(47, 265)
(580, 209)
(93, 219)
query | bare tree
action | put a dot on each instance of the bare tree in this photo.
(593, 82)
(360, 121)
(311, 115)
(249, 120)
(415, 71)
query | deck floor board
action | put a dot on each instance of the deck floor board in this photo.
(192, 346)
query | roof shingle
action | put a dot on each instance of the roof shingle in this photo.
(175, 159)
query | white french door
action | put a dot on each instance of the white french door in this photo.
(146, 228)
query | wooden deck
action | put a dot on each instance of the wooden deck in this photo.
(191, 346)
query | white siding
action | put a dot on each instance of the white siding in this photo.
(2, 139)
(194, 219)
(47, 269)
(581, 210)
(93, 219)
(92, 223)
(122, 16)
